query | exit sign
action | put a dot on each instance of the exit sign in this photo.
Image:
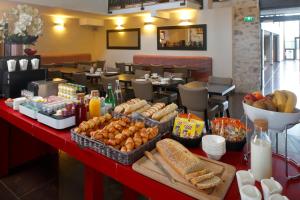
(249, 19)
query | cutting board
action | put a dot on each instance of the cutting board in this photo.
(224, 171)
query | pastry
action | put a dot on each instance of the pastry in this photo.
(169, 116)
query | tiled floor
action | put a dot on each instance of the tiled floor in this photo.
(61, 177)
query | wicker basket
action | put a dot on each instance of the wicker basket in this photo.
(121, 157)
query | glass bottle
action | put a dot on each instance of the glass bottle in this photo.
(110, 101)
(261, 151)
(94, 104)
(118, 92)
(80, 109)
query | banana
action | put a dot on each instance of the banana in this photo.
(280, 99)
(291, 101)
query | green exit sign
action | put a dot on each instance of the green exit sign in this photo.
(249, 19)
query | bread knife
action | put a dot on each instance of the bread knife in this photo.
(150, 156)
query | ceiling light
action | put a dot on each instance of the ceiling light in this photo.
(185, 22)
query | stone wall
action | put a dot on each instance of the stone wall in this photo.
(246, 69)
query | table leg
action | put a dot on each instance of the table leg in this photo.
(4, 136)
(129, 194)
(93, 184)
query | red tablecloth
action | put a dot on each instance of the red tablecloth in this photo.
(124, 174)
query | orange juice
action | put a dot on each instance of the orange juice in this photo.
(95, 104)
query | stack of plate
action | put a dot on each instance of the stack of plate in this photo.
(214, 146)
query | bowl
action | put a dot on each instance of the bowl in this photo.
(276, 120)
(214, 157)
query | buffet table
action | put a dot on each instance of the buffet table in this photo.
(97, 165)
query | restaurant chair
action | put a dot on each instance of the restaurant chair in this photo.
(159, 69)
(112, 69)
(100, 64)
(105, 80)
(222, 101)
(195, 100)
(138, 66)
(121, 67)
(81, 79)
(144, 90)
(53, 74)
(84, 67)
(138, 73)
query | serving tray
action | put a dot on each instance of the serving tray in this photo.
(225, 171)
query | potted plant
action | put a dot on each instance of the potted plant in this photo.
(21, 26)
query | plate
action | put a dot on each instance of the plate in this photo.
(140, 79)
(177, 79)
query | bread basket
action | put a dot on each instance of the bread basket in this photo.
(121, 157)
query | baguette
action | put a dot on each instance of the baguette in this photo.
(209, 183)
(201, 178)
(178, 157)
(120, 108)
(144, 108)
(166, 110)
(156, 107)
(133, 107)
(196, 174)
(168, 116)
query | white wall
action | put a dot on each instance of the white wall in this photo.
(219, 40)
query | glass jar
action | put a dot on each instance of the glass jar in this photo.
(261, 151)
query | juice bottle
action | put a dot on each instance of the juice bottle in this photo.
(95, 104)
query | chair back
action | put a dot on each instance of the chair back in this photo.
(100, 64)
(143, 89)
(105, 80)
(195, 99)
(159, 69)
(79, 78)
(220, 80)
(112, 69)
(121, 67)
(84, 67)
(138, 73)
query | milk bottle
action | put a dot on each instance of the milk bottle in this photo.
(261, 151)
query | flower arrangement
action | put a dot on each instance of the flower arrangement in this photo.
(21, 25)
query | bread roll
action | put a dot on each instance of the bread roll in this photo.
(144, 108)
(168, 116)
(178, 157)
(133, 107)
(154, 108)
(166, 110)
(121, 108)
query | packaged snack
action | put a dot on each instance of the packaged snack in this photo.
(232, 130)
(188, 126)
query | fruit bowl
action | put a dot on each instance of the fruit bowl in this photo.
(277, 120)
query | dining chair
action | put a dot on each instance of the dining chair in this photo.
(53, 74)
(81, 79)
(105, 80)
(222, 101)
(121, 67)
(144, 90)
(139, 73)
(84, 67)
(100, 64)
(195, 100)
(112, 69)
(159, 69)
